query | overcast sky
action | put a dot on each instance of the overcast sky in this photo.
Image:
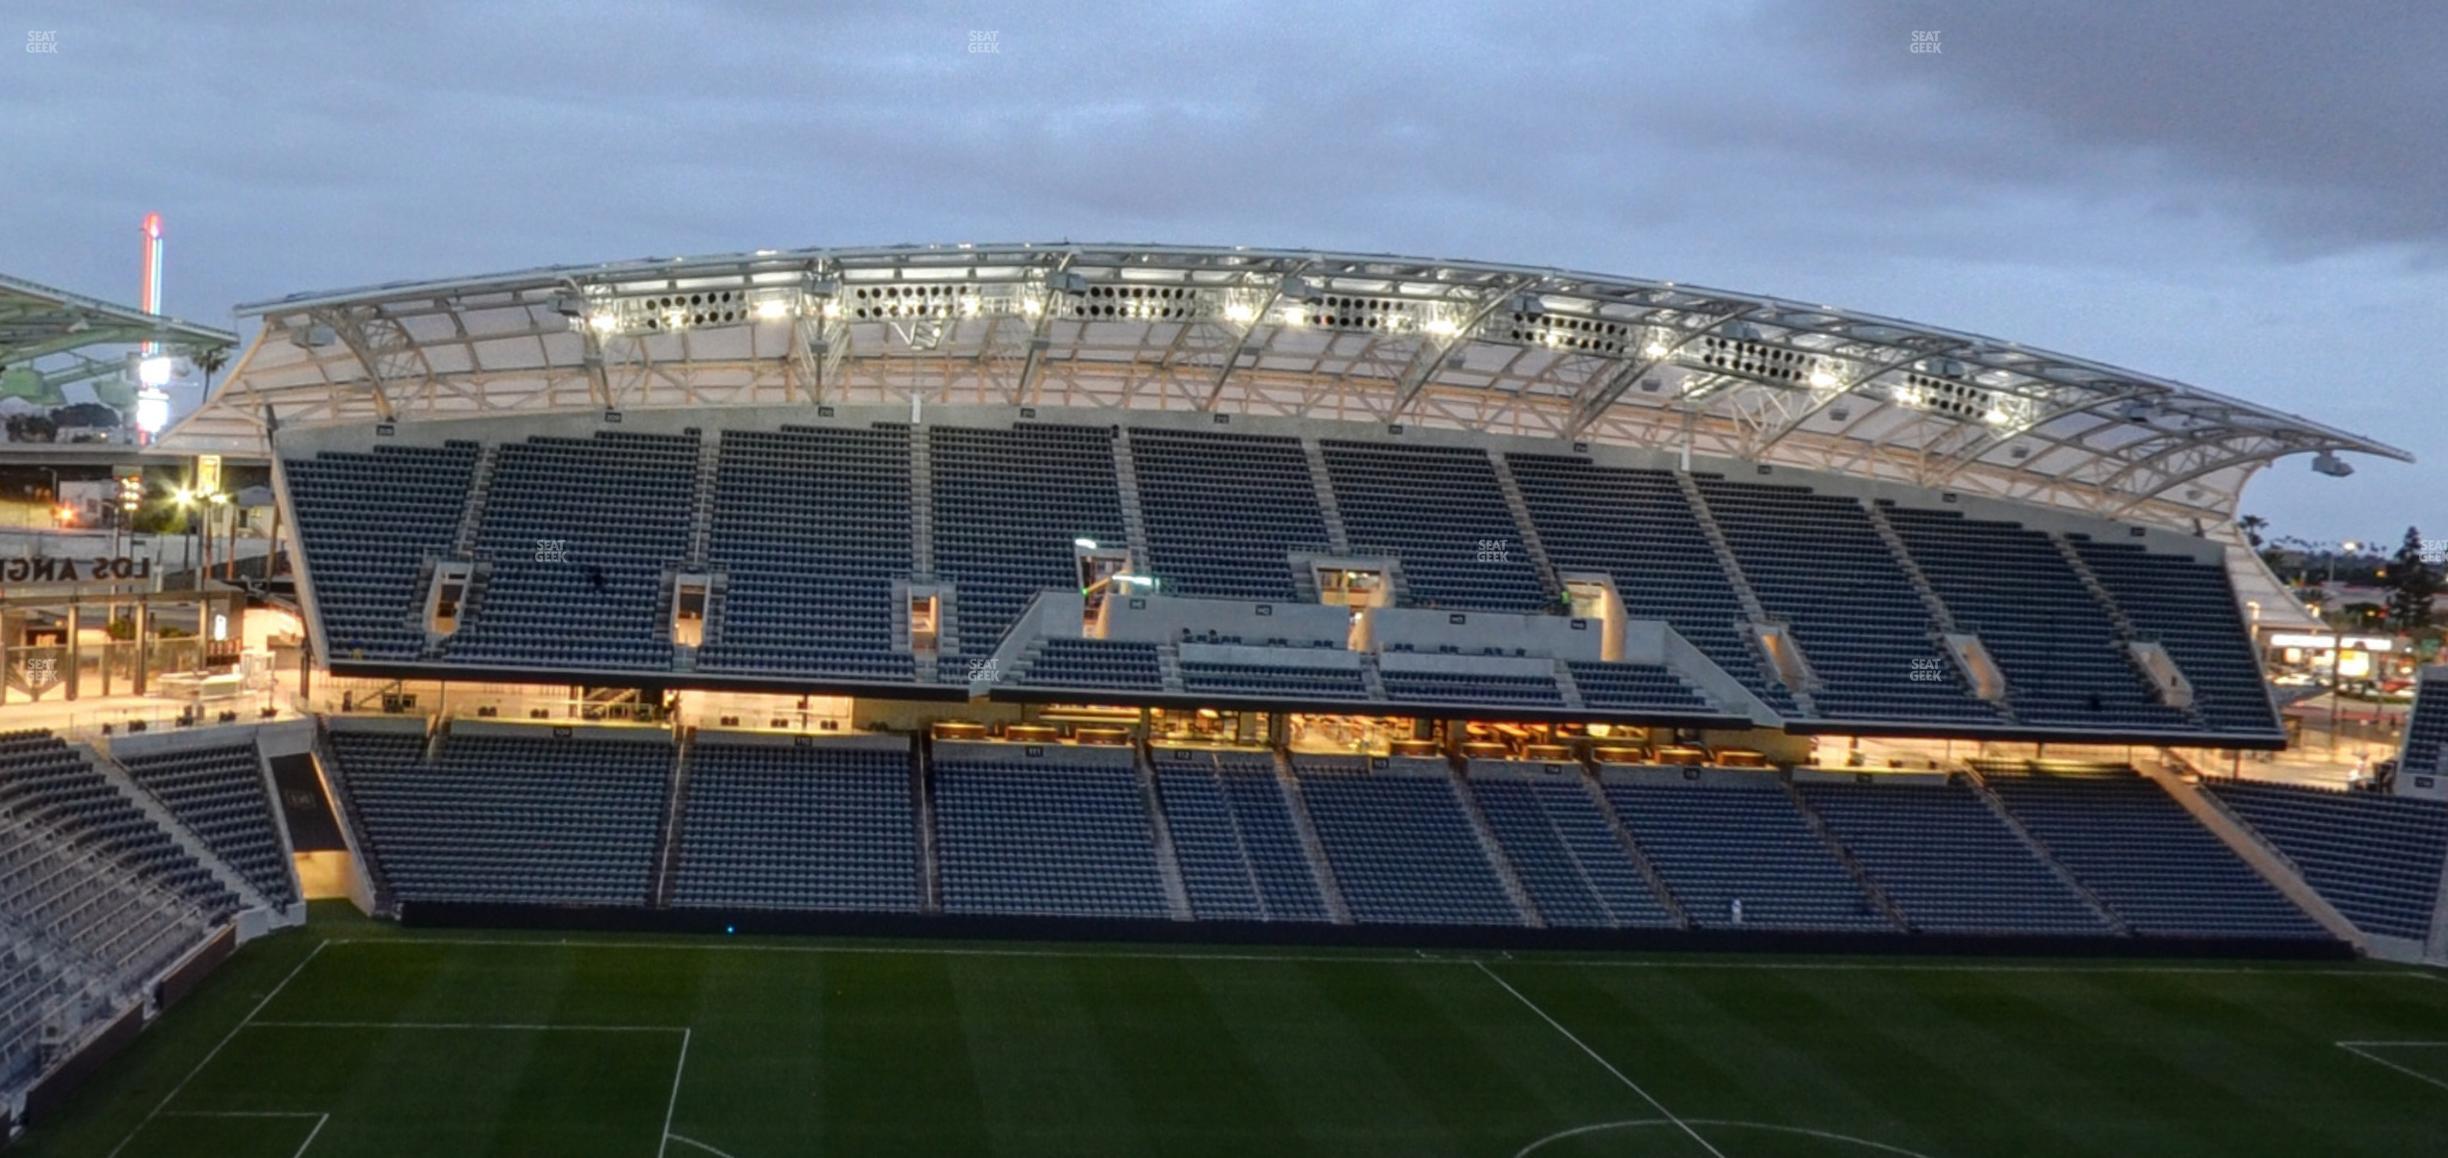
(2249, 195)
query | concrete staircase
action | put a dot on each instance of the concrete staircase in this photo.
(1324, 485)
(1168, 863)
(701, 520)
(922, 505)
(1567, 687)
(229, 878)
(1505, 872)
(1523, 524)
(922, 811)
(1940, 614)
(1861, 877)
(2125, 629)
(667, 846)
(1126, 488)
(1330, 890)
(1997, 808)
(1731, 566)
(1640, 857)
(471, 516)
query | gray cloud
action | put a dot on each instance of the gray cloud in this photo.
(2231, 200)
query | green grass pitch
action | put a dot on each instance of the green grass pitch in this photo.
(351, 1039)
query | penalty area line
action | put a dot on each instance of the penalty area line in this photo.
(215, 1052)
(2363, 1049)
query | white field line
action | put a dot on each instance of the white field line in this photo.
(1595, 1056)
(219, 1046)
(688, 1141)
(1934, 966)
(674, 1104)
(2363, 1049)
(1720, 1123)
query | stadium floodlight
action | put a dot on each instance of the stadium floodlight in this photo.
(1442, 326)
(152, 410)
(1084, 543)
(605, 322)
(2328, 463)
(1822, 378)
(1655, 349)
(155, 371)
(1240, 313)
(773, 309)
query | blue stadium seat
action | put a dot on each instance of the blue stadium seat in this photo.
(2142, 854)
(1045, 838)
(819, 827)
(1402, 847)
(2377, 858)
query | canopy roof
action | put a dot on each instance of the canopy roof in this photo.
(1507, 349)
(52, 332)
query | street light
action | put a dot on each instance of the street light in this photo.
(2337, 652)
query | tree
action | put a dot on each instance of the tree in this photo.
(2411, 585)
(2252, 526)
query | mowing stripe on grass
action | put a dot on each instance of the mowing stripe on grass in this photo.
(1595, 1056)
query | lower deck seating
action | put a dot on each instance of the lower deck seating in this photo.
(115, 926)
(2377, 858)
(46, 782)
(773, 827)
(1948, 863)
(1241, 858)
(508, 819)
(1575, 867)
(2142, 854)
(1044, 838)
(1402, 847)
(218, 793)
(82, 939)
(1720, 844)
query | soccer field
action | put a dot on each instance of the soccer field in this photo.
(350, 1039)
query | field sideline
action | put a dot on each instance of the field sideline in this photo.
(352, 1038)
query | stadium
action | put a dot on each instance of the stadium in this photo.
(1071, 698)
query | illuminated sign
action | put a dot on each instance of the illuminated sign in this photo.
(61, 569)
(2321, 642)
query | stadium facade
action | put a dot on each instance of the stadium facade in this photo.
(1073, 590)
